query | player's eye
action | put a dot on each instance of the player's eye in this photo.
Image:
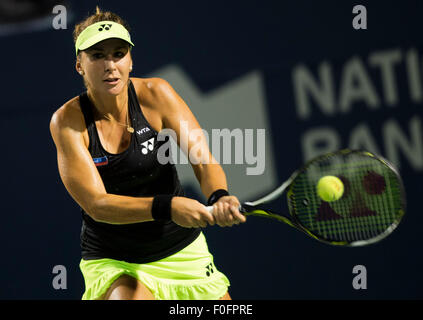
(97, 55)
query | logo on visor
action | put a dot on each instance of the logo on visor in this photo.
(105, 27)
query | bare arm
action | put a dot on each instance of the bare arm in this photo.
(178, 117)
(81, 178)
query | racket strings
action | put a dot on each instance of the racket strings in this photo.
(370, 205)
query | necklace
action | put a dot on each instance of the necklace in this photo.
(128, 127)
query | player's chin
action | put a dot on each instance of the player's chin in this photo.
(115, 88)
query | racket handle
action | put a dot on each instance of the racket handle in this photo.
(210, 209)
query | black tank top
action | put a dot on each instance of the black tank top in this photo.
(134, 172)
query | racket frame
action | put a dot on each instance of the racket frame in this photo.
(252, 208)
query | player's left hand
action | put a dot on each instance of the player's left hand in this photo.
(226, 212)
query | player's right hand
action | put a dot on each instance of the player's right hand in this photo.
(190, 213)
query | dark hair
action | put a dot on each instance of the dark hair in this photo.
(97, 17)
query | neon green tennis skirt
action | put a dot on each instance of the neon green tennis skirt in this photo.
(189, 274)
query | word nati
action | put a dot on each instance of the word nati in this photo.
(368, 84)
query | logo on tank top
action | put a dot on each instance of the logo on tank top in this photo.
(102, 161)
(143, 130)
(147, 146)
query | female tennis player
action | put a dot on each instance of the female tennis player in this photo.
(140, 237)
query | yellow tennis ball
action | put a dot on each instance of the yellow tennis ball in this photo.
(330, 188)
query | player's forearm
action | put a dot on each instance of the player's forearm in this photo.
(212, 177)
(117, 209)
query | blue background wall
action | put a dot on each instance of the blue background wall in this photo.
(216, 42)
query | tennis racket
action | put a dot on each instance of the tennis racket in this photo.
(370, 208)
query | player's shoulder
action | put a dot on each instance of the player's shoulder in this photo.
(69, 115)
(152, 89)
(150, 84)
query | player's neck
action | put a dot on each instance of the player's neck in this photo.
(110, 105)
